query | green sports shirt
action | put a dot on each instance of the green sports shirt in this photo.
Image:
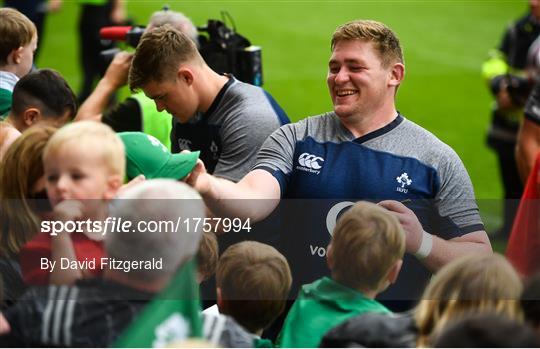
(321, 306)
(5, 103)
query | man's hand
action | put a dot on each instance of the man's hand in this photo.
(117, 72)
(118, 12)
(115, 77)
(504, 102)
(199, 178)
(409, 222)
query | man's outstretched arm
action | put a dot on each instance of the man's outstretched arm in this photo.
(255, 196)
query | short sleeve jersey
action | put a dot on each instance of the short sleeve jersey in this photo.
(7, 84)
(318, 158)
(231, 132)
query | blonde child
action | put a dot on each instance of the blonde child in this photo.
(364, 256)
(18, 42)
(84, 167)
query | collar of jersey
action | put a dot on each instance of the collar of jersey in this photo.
(219, 97)
(379, 132)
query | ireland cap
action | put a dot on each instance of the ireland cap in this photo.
(146, 155)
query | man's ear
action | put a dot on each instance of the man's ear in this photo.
(114, 182)
(397, 73)
(31, 116)
(186, 75)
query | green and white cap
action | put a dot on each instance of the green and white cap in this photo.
(146, 155)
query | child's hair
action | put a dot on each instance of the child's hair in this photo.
(486, 330)
(46, 90)
(366, 243)
(21, 168)
(207, 256)
(254, 280)
(91, 137)
(468, 285)
(16, 30)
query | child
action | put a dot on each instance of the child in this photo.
(18, 42)
(253, 281)
(84, 168)
(364, 256)
(41, 97)
(23, 204)
(207, 257)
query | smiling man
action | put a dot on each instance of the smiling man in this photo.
(226, 119)
(363, 150)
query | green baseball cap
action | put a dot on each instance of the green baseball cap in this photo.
(146, 155)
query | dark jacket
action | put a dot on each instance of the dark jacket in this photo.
(373, 330)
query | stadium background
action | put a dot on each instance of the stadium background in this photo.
(445, 43)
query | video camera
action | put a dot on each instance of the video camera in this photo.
(223, 49)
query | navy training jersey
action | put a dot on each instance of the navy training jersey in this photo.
(322, 169)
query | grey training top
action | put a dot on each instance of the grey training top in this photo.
(231, 132)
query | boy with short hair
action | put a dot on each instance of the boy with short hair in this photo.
(42, 96)
(253, 281)
(84, 165)
(364, 256)
(18, 42)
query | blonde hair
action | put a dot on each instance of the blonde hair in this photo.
(90, 137)
(159, 54)
(468, 285)
(255, 280)
(384, 39)
(16, 30)
(21, 168)
(367, 241)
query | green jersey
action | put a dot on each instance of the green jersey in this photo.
(321, 306)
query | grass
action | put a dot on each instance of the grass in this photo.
(445, 43)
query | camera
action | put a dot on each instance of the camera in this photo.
(223, 49)
(518, 88)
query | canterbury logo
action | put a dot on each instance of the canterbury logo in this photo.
(310, 161)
